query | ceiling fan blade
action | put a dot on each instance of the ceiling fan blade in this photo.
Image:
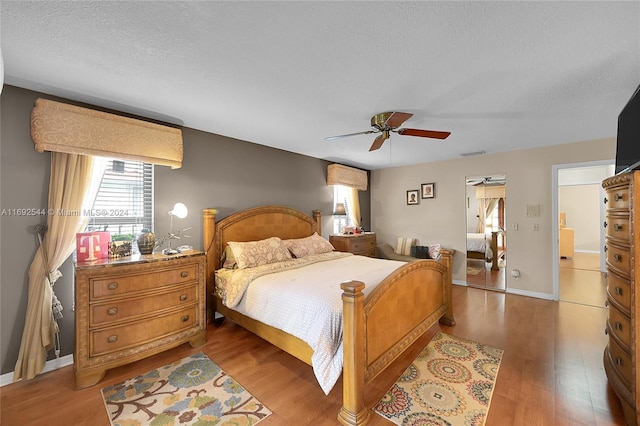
(377, 143)
(397, 118)
(366, 132)
(434, 134)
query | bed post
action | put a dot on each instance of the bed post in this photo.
(209, 231)
(353, 411)
(446, 257)
(316, 218)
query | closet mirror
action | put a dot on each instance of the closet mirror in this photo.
(486, 237)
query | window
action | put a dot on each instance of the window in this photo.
(341, 194)
(124, 203)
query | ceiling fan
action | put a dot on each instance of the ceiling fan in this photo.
(388, 122)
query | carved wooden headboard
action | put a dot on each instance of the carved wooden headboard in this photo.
(251, 225)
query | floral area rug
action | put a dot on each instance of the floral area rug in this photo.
(193, 391)
(449, 383)
(473, 271)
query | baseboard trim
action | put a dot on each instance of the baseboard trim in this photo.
(535, 294)
(51, 365)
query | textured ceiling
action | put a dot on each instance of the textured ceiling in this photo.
(500, 76)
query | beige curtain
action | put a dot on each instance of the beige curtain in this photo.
(354, 207)
(68, 186)
(484, 209)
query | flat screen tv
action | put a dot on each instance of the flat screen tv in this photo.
(628, 142)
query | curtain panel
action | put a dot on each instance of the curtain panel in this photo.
(69, 185)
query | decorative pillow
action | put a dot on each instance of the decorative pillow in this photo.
(315, 244)
(403, 246)
(434, 251)
(256, 253)
(420, 252)
(228, 260)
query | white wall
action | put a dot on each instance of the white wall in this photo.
(443, 218)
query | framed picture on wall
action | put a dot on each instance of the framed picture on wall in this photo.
(428, 190)
(412, 196)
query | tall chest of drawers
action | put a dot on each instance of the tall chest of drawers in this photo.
(132, 308)
(622, 203)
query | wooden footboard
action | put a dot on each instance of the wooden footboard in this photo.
(376, 329)
(379, 328)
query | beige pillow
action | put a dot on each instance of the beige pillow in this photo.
(315, 244)
(403, 246)
(256, 253)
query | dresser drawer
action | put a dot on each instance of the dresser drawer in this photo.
(619, 289)
(127, 309)
(122, 284)
(620, 325)
(618, 198)
(621, 362)
(618, 259)
(113, 339)
(362, 245)
(617, 227)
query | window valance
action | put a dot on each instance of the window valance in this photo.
(337, 174)
(71, 129)
(498, 191)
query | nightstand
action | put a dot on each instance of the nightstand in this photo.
(361, 244)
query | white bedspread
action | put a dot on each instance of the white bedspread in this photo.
(481, 243)
(307, 302)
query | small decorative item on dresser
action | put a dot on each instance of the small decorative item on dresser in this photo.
(146, 241)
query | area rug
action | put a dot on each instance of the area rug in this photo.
(449, 383)
(193, 391)
(473, 271)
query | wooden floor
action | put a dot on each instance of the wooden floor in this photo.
(581, 281)
(551, 372)
(480, 275)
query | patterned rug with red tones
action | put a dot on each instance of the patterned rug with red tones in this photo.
(449, 383)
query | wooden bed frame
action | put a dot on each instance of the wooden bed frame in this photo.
(419, 293)
(497, 248)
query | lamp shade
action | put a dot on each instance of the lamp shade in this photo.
(339, 210)
(179, 210)
(337, 174)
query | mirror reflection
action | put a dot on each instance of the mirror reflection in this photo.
(486, 236)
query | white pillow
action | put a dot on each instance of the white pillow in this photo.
(403, 246)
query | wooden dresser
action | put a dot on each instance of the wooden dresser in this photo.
(362, 244)
(130, 308)
(622, 203)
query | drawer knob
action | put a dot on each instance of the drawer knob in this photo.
(618, 326)
(605, 224)
(618, 197)
(606, 331)
(112, 286)
(617, 257)
(113, 338)
(617, 227)
(185, 318)
(183, 297)
(618, 291)
(606, 248)
(606, 200)
(619, 361)
(184, 274)
(606, 303)
(112, 311)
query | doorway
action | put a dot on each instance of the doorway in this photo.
(579, 271)
(486, 237)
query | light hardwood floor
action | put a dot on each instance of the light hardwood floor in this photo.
(551, 373)
(581, 281)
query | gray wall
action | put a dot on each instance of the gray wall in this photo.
(219, 172)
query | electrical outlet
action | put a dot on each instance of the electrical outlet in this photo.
(515, 226)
